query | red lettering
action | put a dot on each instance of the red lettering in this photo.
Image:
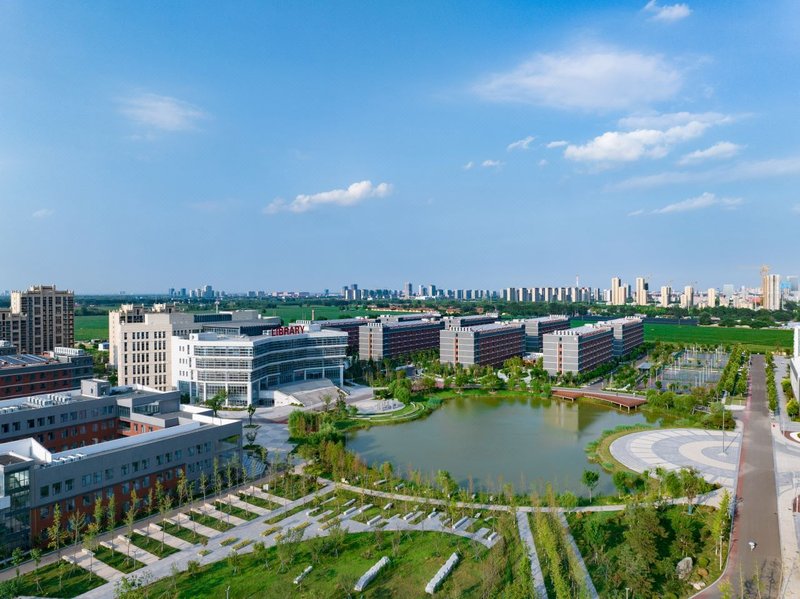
(291, 330)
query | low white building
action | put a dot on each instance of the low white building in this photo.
(249, 368)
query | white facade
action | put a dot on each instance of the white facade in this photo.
(641, 291)
(666, 294)
(205, 364)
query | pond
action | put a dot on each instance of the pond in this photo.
(485, 442)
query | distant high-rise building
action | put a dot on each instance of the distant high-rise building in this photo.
(770, 290)
(728, 290)
(408, 290)
(641, 291)
(619, 293)
(509, 294)
(711, 297)
(687, 299)
(666, 296)
(39, 319)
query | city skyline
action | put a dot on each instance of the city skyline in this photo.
(295, 147)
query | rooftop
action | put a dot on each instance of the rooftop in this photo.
(587, 329)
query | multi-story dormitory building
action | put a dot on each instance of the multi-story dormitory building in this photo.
(390, 339)
(471, 320)
(537, 328)
(577, 350)
(483, 344)
(80, 448)
(60, 370)
(628, 334)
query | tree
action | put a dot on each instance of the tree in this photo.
(216, 402)
(643, 531)
(111, 518)
(36, 556)
(76, 523)
(90, 540)
(130, 518)
(590, 478)
(17, 557)
(251, 409)
(55, 539)
(691, 485)
(164, 506)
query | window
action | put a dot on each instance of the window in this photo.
(126, 488)
(109, 473)
(124, 470)
(44, 512)
(69, 483)
(44, 491)
(86, 500)
(86, 480)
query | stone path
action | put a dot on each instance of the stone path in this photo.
(673, 449)
(83, 558)
(124, 546)
(186, 522)
(524, 526)
(244, 505)
(155, 532)
(209, 510)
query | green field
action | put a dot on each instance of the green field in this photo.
(91, 327)
(758, 340)
(415, 560)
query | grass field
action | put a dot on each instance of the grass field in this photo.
(91, 327)
(419, 556)
(75, 581)
(758, 340)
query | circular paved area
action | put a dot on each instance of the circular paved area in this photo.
(673, 449)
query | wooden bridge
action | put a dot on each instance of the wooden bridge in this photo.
(620, 400)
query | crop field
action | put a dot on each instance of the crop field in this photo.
(756, 340)
(91, 327)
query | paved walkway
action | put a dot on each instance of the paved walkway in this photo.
(756, 516)
(787, 474)
(524, 527)
(673, 449)
(84, 559)
(124, 546)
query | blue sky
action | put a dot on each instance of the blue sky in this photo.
(295, 145)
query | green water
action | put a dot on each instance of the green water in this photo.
(491, 441)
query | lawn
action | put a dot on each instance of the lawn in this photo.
(117, 560)
(152, 545)
(257, 501)
(91, 327)
(211, 522)
(293, 486)
(75, 581)
(291, 512)
(235, 511)
(418, 557)
(186, 534)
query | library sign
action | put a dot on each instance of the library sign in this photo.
(290, 330)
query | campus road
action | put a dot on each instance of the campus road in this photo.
(756, 516)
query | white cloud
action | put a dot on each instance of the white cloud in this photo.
(557, 144)
(719, 151)
(354, 194)
(491, 163)
(638, 212)
(704, 200)
(742, 171)
(668, 13)
(665, 120)
(161, 113)
(543, 162)
(796, 208)
(588, 78)
(43, 213)
(627, 146)
(522, 144)
(468, 165)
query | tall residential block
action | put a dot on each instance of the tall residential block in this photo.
(641, 296)
(711, 297)
(619, 292)
(483, 344)
(39, 319)
(687, 299)
(379, 340)
(577, 350)
(666, 296)
(770, 291)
